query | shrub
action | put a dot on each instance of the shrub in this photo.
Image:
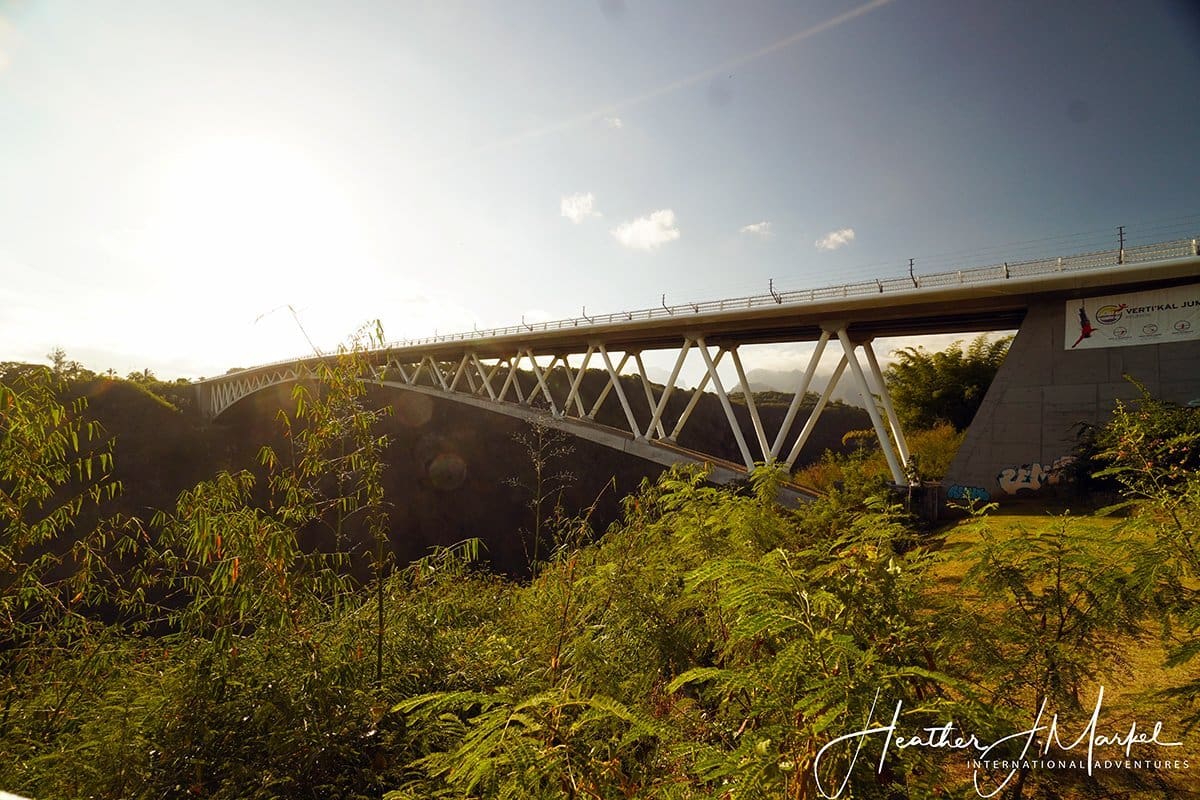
(932, 449)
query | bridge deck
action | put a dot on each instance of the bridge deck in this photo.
(960, 301)
(470, 368)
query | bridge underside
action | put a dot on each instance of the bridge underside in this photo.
(720, 470)
(550, 389)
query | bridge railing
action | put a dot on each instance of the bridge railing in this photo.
(1176, 248)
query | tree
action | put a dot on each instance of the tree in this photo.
(1151, 448)
(946, 386)
(545, 448)
(143, 376)
(54, 571)
(1071, 617)
(66, 369)
(53, 463)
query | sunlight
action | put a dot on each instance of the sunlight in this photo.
(244, 225)
(253, 210)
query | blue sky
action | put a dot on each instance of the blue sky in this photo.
(175, 175)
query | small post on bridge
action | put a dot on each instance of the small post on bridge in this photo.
(1120, 244)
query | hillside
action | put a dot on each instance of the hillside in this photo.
(451, 468)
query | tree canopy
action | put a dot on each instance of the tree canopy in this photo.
(946, 386)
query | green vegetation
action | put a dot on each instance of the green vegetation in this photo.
(545, 449)
(936, 396)
(946, 386)
(177, 394)
(932, 452)
(709, 644)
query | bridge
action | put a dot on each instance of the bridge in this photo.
(537, 371)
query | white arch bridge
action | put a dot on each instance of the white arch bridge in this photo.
(537, 371)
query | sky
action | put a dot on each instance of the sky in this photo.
(192, 186)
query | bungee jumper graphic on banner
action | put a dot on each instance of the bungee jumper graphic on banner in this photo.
(1134, 318)
(1085, 327)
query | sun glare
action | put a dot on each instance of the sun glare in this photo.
(253, 210)
(247, 225)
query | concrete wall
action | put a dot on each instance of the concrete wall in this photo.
(1028, 420)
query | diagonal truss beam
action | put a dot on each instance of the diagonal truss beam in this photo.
(811, 422)
(886, 397)
(868, 397)
(614, 377)
(541, 380)
(465, 373)
(801, 391)
(755, 420)
(695, 400)
(666, 395)
(728, 406)
(573, 395)
(650, 402)
(609, 385)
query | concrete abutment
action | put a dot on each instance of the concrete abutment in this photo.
(1026, 428)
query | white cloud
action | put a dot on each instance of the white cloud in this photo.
(762, 229)
(835, 239)
(614, 122)
(647, 233)
(578, 207)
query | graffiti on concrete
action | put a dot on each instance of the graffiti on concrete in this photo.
(1032, 477)
(968, 494)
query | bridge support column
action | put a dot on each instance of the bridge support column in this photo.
(650, 401)
(811, 422)
(868, 397)
(608, 386)
(1024, 434)
(733, 423)
(751, 406)
(615, 381)
(662, 401)
(798, 399)
(886, 397)
(573, 395)
(696, 395)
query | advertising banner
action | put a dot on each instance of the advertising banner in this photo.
(1134, 318)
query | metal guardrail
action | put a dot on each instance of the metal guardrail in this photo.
(1176, 248)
